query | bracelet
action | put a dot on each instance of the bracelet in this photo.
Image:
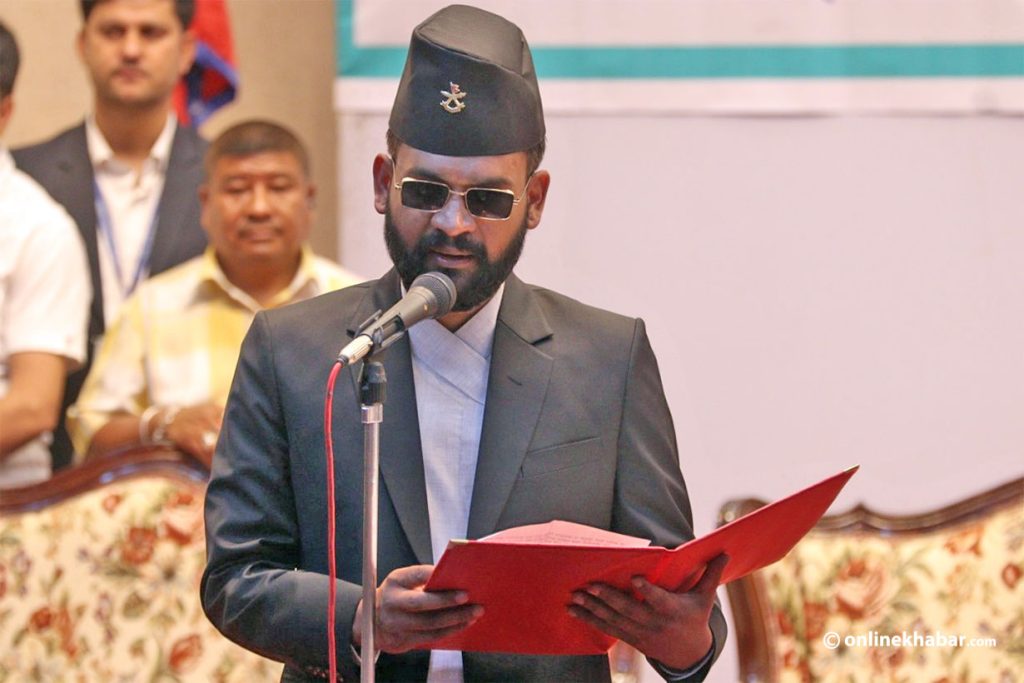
(166, 418)
(144, 420)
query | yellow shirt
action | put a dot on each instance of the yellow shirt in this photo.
(176, 340)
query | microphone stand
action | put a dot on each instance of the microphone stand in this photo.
(372, 394)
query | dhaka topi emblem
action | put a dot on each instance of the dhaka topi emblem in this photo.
(453, 103)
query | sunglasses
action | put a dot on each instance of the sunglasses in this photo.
(483, 202)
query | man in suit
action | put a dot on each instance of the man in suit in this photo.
(128, 175)
(519, 406)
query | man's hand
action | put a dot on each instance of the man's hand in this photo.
(195, 430)
(408, 616)
(671, 628)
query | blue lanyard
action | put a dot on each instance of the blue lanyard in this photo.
(106, 227)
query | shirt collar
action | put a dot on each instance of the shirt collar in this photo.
(100, 153)
(305, 282)
(478, 331)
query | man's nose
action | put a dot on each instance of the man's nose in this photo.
(131, 45)
(259, 202)
(454, 218)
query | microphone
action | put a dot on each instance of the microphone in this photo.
(431, 295)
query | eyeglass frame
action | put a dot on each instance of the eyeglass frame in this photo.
(515, 200)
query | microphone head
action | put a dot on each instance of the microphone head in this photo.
(440, 290)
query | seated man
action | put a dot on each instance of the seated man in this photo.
(164, 369)
(44, 305)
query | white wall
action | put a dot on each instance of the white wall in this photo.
(820, 291)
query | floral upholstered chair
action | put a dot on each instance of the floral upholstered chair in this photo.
(931, 598)
(99, 578)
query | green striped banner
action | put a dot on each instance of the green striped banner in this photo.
(976, 60)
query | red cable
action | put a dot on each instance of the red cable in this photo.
(332, 571)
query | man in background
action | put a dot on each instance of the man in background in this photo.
(44, 299)
(128, 174)
(164, 368)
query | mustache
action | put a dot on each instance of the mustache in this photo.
(462, 242)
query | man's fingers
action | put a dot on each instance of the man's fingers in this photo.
(414, 640)
(444, 633)
(712, 575)
(192, 444)
(624, 621)
(400, 631)
(413, 576)
(603, 625)
(421, 601)
(661, 600)
(428, 622)
(615, 607)
(403, 590)
(409, 616)
(609, 603)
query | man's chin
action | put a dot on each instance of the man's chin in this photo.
(133, 98)
(263, 253)
(461, 277)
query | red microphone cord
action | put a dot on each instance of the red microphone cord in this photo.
(332, 570)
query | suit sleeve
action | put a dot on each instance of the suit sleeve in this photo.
(251, 589)
(651, 498)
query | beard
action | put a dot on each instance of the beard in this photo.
(473, 287)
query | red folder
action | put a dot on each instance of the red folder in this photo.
(525, 588)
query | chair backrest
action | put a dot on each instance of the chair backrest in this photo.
(99, 577)
(868, 597)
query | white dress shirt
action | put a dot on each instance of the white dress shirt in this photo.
(450, 374)
(130, 199)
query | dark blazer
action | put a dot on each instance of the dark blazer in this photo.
(576, 427)
(62, 166)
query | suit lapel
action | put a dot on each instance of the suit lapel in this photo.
(401, 456)
(516, 387)
(517, 384)
(79, 200)
(178, 200)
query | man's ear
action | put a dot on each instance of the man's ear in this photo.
(80, 44)
(6, 109)
(536, 195)
(383, 175)
(204, 202)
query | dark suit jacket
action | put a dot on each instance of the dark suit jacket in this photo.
(62, 166)
(576, 427)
